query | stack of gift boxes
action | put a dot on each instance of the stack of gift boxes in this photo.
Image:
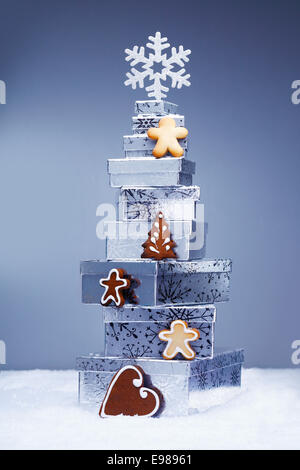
(162, 318)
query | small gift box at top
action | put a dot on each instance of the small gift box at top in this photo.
(156, 107)
(135, 331)
(174, 379)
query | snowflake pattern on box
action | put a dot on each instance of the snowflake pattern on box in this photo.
(173, 289)
(140, 339)
(178, 285)
(158, 58)
(199, 313)
(143, 204)
(224, 370)
(93, 386)
(229, 376)
(141, 123)
(175, 379)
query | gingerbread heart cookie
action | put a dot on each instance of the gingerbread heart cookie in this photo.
(127, 395)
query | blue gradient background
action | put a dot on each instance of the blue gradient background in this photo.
(66, 112)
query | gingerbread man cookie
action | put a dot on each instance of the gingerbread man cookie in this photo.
(167, 135)
(127, 395)
(178, 338)
(114, 284)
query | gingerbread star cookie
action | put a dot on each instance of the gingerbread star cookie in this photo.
(114, 284)
(127, 395)
(178, 338)
(167, 135)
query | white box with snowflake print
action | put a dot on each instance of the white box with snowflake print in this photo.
(134, 331)
(141, 123)
(176, 380)
(147, 194)
(156, 107)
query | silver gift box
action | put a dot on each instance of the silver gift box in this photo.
(176, 203)
(141, 123)
(147, 194)
(158, 107)
(140, 145)
(202, 313)
(130, 196)
(163, 282)
(175, 379)
(150, 172)
(132, 330)
(143, 203)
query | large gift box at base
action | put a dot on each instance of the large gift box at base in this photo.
(174, 379)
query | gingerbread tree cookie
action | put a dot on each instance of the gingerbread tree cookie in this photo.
(159, 244)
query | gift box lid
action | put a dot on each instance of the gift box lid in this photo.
(150, 165)
(152, 267)
(149, 194)
(98, 363)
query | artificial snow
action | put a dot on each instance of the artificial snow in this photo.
(39, 410)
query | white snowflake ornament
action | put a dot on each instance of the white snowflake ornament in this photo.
(155, 59)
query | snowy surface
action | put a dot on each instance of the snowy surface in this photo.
(39, 410)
